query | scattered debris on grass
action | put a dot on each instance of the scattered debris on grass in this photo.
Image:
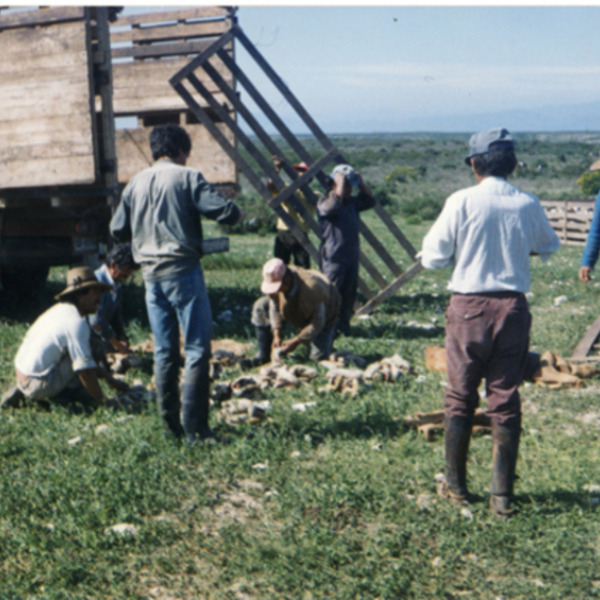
(123, 529)
(554, 371)
(432, 423)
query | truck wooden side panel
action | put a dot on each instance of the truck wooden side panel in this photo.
(133, 150)
(46, 106)
(147, 50)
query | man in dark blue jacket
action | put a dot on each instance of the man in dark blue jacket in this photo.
(338, 214)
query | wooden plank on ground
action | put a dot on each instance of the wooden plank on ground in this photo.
(587, 341)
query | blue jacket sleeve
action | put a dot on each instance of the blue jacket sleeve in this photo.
(592, 245)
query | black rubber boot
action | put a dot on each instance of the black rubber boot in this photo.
(532, 364)
(167, 398)
(505, 449)
(195, 401)
(264, 341)
(457, 435)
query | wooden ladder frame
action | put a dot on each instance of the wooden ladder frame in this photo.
(299, 182)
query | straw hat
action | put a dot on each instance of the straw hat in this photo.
(82, 278)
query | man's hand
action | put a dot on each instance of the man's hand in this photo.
(113, 382)
(277, 162)
(585, 274)
(89, 380)
(276, 338)
(339, 183)
(121, 346)
(289, 346)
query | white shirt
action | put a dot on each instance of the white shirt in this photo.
(487, 233)
(59, 331)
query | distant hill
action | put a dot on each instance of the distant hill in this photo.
(575, 117)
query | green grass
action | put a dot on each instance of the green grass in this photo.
(352, 516)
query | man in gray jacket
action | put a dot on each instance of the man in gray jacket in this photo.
(160, 212)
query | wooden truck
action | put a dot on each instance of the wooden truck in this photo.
(62, 161)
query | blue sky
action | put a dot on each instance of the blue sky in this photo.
(400, 68)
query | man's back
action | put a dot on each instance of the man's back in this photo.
(60, 329)
(162, 206)
(313, 289)
(488, 232)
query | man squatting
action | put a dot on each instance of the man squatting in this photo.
(55, 360)
(487, 233)
(159, 213)
(304, 298)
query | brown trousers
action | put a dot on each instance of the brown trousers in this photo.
(487, 336)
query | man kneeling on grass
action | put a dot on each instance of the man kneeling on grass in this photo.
(304, 298)
(487, 233)
(55, 360)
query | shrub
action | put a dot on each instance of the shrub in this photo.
(260, 219)
(402, 175)
(589, 183)
(383, 192)
(426, 206)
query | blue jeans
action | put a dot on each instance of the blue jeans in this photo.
(181, 301)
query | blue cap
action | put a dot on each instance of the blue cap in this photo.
(492, 139)
(349, 172)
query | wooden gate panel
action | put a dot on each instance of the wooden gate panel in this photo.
(194, 74)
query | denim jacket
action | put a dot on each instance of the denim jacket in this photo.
(592, 245)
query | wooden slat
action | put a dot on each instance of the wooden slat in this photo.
(162, 50)
(189, 74)
(372, 270)
(381, 251)
(205, 12)
(172, 32)
(38, 228)
(283, 88)
(271, 147)
(260, 101)
(391, 289)
(143, 87)
(221, 139)
(587, 341)
(395, 231)
(46, 16)
(209, 54)
(47, 172)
